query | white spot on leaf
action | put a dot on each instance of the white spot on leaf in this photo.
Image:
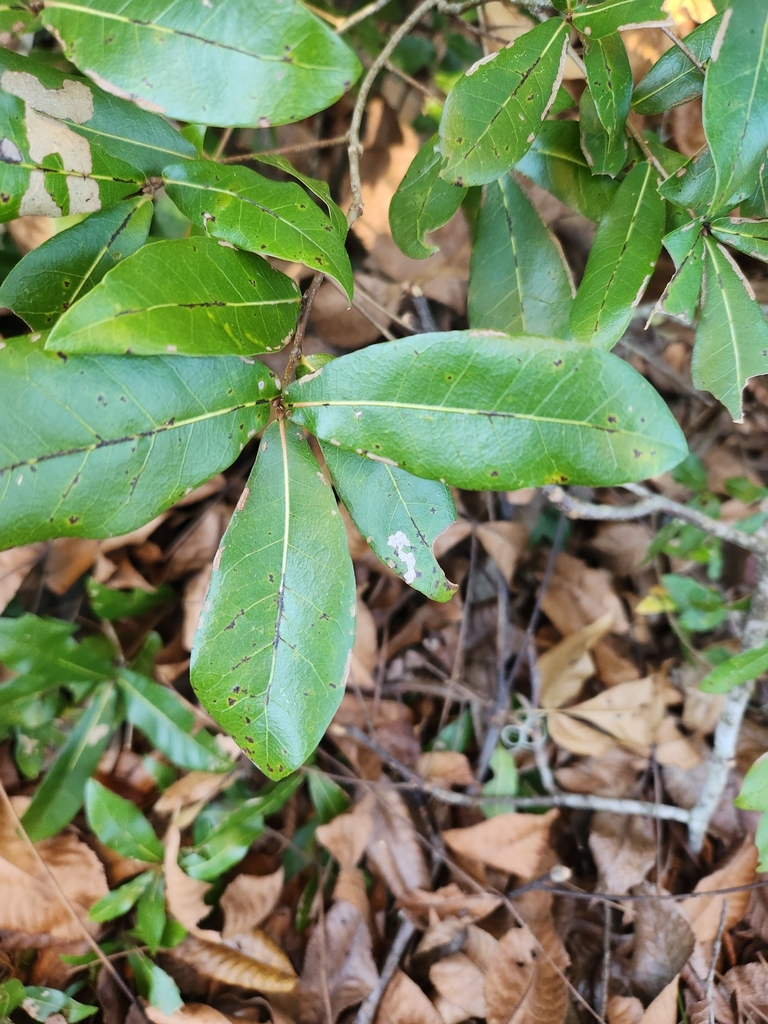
(404, 551)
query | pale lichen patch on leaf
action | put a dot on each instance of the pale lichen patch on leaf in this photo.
(404, 551)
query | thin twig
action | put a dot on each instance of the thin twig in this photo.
(65, 902)
(413, 82)
(301, 326)
(361, 15)
(710, 980)
(504, 691)
(539, 738)
(683, 48)
(370, 1005)
(575, 801)
(354, 146)
(299, 147)
(226, 135)
(575, 508)
(606, 975)
(457, 669)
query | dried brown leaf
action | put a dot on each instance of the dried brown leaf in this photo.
(193, 788)
(338, 965)
(183, 895)
(624, 849)
(624, 1010)
(248, 900)
(509, 842)
(350, 888)
(461, 988)
(663, 942)
(405, 1003)
(15, 564)
(613, 774)
(392, 727)
(630, 712)
(68, 558)
(192, 602)
(191, 1013)
(663, 1009)
(704, 913)
(564, 669)
(450, 901)
(578, 595)
(347, 835)
(524, 980)
(393, 848)
(442, 938)
(504, 542)
(446, 768)
(578, 737)
(749, 984)
(622, 546)
(233, 967)
(451, 536)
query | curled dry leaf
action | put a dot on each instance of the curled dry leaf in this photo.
(338, 965)
(509, 842)
(236, 967)
(704, 912)
(663, 942)
(630, 713)
(442, 938)
(184, 895)
(564, 669)
(405, 1003)
(451, 901)
(346, 836)
(577, 737)
(578, 595)
(525, 981)
(445, 768)
(614, 774)
(459, 978)
(624, 849)
(393, 848)
(191, 1013)
(504, 542)
(392, 727)
(249, 900)
(15, 564)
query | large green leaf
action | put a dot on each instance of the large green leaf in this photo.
(674, 78)
(748, 236)
(605, 153)
(273, 644)
(556, 163)
(732, 335)
(120, 825)
(193, 296)
(318, 188)
(237, 62)
(75, 105)
(62, 792)
(422, 202)
(621, 261)
(493, 114)
(44, 650)
(735, 106)
(600, 19)
(479, 411)
(518, 281)
(96, 446)
(160, 714)
(686, 247)
(400, 515)
(267, 217)
(50, 278)
(609, 77)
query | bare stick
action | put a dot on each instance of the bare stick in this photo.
(65, 902)
(299, 147)
(361, 15)
(754, 633)
(683, 48)
(298, 335)
(574, 508)
(354, 147)
(370, 1005)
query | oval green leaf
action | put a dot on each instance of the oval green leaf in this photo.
(600, 19)
(518, 280)
(621, 260)
(609, 77)
(400, 515)
(120, 825)
(49, 279)
(741, 668)
(681, 296)
(748, 236)
(754, 789)
(95, 446)
(266, 217)
(495, 111)
(190, 296)
(236, 63)
(605, 153)
(273, 644)
(674, 78)
(481, 411)
(423, 202)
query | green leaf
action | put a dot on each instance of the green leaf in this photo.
(118, 127)
(50, 278)
(734, 108)
(17, 19)
(62, 792)
(741, 668)
(160, 714)
(120, 901)
(150, 913)
(606, 154)
(691, 186)
(120, 825)
(756, 204)
(556, 163)
(480, 412)
(621, 261)
(609, 78)
(319, 188)
(754, 789)
(43, 650)
(518, 279)
(191, 296)
(681, 296)
(701, 607)
(494, 112)
(748, 236)
(400, 516)
(112, 605)
(96, 446)
(225, 844)
(732, 335)
(674, 79)
(327, 796)
(761, 842)
(601, 19)
(270, 218)
(41, 1003)
(423, 202)
(503, 783)
(241, 63)
(157, 987)
(11, 996)
(272, 650)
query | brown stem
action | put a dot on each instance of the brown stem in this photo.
(301, 327)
